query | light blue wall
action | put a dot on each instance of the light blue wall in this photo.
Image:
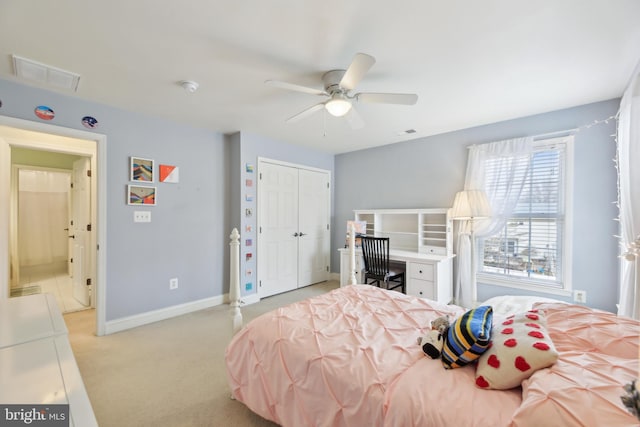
(188, 235)
(186, 238)
(252, 147)
(189, 232)
(427, 172)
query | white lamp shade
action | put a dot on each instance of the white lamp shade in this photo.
(470, 204)
(338, 106)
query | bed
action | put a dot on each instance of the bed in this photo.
(350, 357)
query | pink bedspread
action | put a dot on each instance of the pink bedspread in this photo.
(350, 358)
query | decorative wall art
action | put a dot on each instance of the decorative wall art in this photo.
(141, 195)
(249, 183)
(89, 122)
(141, 169)
(43, 112)
(249, 167)
(169, 173)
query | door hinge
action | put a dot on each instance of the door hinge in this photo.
(327, 226)
(88, 227)
(327, 185)
(71, 184)
(71, 260)
(260, 174)
(260, 230)
(89, 173)
(327, 268)
(71, 222)
(260, 283)
(88, 282)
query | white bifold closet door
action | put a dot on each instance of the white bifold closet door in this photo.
(293, 227)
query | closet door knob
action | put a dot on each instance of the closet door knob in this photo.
(295, 234)
(302, 234)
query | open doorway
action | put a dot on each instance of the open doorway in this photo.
(49, 140)
(50, 214)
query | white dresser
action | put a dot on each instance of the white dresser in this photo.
(36, 360)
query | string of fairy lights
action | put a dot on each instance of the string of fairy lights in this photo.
(631, 250)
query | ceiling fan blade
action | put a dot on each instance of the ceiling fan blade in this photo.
(294, 87)
(354, 119)
(388, 98)
(359, 66)
(305, 113)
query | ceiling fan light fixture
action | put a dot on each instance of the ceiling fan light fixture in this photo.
(338, 105)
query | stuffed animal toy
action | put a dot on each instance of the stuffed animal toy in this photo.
(441, 324)
(433, 342)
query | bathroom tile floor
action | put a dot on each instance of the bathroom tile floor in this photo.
(54, 280)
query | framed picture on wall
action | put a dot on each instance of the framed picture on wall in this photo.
(141, 169)
(141, 195)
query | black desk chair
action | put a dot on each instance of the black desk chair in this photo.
(375, 252)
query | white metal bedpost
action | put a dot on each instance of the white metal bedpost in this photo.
(352, 254)
(234, 280)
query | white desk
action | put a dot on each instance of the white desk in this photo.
(427, 276)
(36, 360)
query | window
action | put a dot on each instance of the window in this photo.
(531, 250)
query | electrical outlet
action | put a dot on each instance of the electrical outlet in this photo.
(580, 296)
(173, 283)
(141, 216)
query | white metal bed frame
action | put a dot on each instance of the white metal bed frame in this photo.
(234, 274)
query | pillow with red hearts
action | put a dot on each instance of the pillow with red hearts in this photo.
(520, 345)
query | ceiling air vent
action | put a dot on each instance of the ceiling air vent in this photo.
(45, 74)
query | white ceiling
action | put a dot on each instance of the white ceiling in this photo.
(470, 62)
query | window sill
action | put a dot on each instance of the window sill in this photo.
(490, 279)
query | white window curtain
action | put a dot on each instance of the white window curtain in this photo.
(511, 158)
(629, 198)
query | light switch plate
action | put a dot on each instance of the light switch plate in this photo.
(142, 216)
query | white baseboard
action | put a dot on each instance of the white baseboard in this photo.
(249, 299)
(129, 322)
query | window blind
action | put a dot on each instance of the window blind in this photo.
(530, 244)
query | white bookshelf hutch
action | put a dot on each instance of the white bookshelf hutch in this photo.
(420, 238)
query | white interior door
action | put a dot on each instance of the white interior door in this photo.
(278, 217)
(313, 219)
(79, 229)
(69, 232)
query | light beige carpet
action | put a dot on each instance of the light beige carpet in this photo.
(169, 373)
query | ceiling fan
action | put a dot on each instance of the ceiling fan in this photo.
(338, 85)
